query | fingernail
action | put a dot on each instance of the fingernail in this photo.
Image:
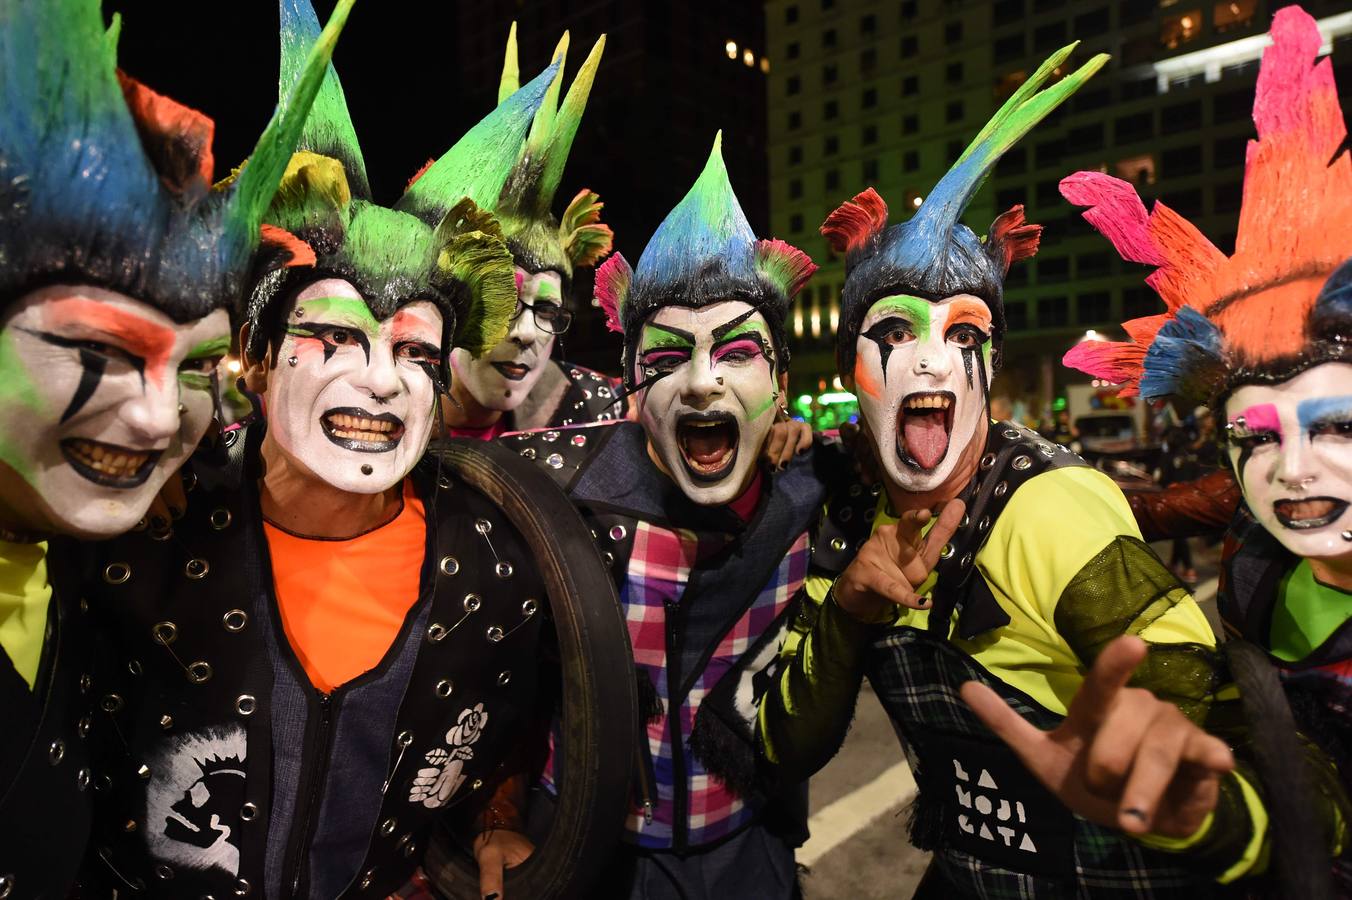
(492, 896)
(1138, 815)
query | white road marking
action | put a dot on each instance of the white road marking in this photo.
(837, 823)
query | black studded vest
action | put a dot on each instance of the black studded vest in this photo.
(222, 772)
(44, 760)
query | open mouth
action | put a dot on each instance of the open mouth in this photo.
(1311, 512)
(108, 464)
(511, 371)
(708, 443)
(923, 428)
(357, 429)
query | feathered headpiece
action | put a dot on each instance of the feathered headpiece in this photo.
(538, 240)
(703, 252)
(437, 243)
(105, 182)
(932, 254)
(1258, 315)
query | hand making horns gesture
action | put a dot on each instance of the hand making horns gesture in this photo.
(894, 562)
(1122, 757)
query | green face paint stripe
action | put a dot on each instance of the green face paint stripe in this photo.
(195, 381)
(351, 306)
(214, 347)
(545, 290)
(759, 411)
(744, 329)
(916, 309)
(16, 387)
(668, 338)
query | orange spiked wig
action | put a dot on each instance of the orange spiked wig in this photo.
(1245, 317)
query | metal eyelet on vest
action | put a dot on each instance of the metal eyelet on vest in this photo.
(495, 634)
(86, 683)
(554, 461)
(229, 438)
(483, 526)
(405, 738)
(6, 886)
(83, 726)
(219, 519)
(504, 677)
(245, 704)
(618, 532)
(1021, 463)
(449, 565)
(117, 573)
(199, 672)
(111, 703)
(503, 569)
(129, 826)
(1046, 450)
(609, 558)
(243, 888)
(143, 772)
(235, 620)
(410, 848)
(476, 784)
(162, 535)
(366, 878)
(444, 688)
(549, 437)
(529, 606)
(473, 602)
(163, 872)
(134, 666)
(987, 461)
(1011, 434)
(856, 490)
(966, 560)
(528, 453)
(984, 523)
(580, 440)
(846, 514)
(946, 552)
(56, 752)
(387, 827)
(838, 544)
(444, 483)
(1002, 488)
(196, 569)
(82, 779)
(164, 632)
(166, 721)
(248, 812)
(436, 631)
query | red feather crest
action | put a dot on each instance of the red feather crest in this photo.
(855, 222)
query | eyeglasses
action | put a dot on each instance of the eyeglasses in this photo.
(550, 317)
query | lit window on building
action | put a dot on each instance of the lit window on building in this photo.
(798, 318)
(1179, 29)
(1229, 14)
(1139, 170)
(833, 317)
(815, 320)
(731, 47)
(765, 65)
(748, 58)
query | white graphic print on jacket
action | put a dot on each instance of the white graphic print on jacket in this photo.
(434, 785)
(193, 800)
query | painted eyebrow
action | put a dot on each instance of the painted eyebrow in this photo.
(1309, 412)
(685, 336)
(969, 312)
(212, 347)
(354, 307)
(719, 331)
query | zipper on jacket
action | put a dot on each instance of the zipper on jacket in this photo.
(308, 799)
(675, 706)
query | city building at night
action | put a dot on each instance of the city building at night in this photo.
(887, 93)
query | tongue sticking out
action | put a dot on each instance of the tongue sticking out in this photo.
(926, 437)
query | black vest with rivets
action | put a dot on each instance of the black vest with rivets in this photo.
(44, 767)
(223, 772)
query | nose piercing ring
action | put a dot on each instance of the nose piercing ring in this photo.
(291, 361)
(719, 380)
(924, 364)
(182, 409)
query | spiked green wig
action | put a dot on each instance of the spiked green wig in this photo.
(933, 255)
(539, 241)
(105, 182)
(438, 243)
(704, 252)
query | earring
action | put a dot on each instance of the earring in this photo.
(1347, 535)
(182, 409)
(291, 361)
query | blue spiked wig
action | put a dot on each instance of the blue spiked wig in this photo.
(932, 255)
(704, 252)
(105, 182)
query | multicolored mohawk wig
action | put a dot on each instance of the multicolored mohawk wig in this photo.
(932, 255)
(538, 240)
(105, 182)
(438, 242)
(1259, 315)
(703, 252)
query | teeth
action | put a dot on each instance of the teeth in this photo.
(698, 423)
(108, 462)
(928, 401)
(369, 428)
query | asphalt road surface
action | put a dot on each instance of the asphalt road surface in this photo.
(858, 849)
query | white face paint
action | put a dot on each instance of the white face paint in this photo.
(918, 378)
(350, 399)
(1291, 446)
(710, 415)
(503, 377)
(102, 398)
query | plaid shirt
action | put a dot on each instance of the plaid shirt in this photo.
(659, 569)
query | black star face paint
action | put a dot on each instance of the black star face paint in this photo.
(920, 374)
(356, 409)
(1291, 447)
(102, 397)
(503, 377)
(708, 403)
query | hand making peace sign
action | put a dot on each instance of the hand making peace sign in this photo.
(894, 562)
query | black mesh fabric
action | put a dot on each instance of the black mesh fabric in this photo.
(1123, 590)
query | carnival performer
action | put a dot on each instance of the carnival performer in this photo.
(319, 664)
(517, 385)
(1021, 582)
(1263, 337)
(707, 543)
(122, 267)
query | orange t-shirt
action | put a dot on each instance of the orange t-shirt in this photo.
(344, 601)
